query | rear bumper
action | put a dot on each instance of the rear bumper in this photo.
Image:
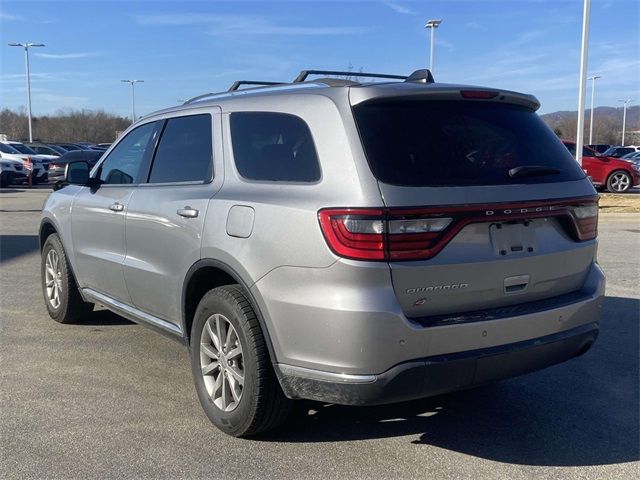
(438, 374)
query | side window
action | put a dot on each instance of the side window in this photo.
(185, 152)
(122, 166)
(273, 146)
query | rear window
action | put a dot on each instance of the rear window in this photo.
(185, 152)
(432, 143)
(273, 146)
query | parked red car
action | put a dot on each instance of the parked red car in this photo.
(615, 174)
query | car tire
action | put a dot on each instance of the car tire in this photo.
(4, 181)
(619, 182)
(61, 294)
(239, 391)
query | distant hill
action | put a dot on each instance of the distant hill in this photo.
(607, 122)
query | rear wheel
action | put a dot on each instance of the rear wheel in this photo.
(61, 295)
(619, 182)
(234, 379)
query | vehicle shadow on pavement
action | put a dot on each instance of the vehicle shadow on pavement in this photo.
(99, 318)
(582, 412)
(14, 246)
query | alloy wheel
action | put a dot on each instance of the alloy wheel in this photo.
(620, 182)
(53, 278)
(221, 362)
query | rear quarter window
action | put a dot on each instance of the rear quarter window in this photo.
(434, 143)
(273, 147)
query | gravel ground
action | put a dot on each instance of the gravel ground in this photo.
(111, 399)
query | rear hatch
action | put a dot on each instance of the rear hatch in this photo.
(484, 205)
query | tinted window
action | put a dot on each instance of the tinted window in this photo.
(123, 163)
(273, 146)
(184, 153)
(4, 148)
(432, 143)
(23, 148)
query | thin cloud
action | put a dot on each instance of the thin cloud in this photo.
(226, 25)
(474, 26)
(9, 17)
(400, 8)
(65, 56)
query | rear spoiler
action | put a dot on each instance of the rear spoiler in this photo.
(430, 91)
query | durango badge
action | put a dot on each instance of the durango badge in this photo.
(435, 288)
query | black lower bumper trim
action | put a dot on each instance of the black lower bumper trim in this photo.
(446, 373)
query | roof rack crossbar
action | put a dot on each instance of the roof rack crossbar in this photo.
(238, 83)
(305, 73)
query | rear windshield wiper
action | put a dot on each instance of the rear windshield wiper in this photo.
(533, 170)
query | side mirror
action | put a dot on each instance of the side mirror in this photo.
(77, 173)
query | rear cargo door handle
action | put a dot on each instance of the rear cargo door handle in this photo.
(188, 212)
(116, 207)
(516, 284)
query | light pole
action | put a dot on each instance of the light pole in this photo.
(626, 102)
(593, 94)
(26, 47)
(432, 24)
(586, 14)
(133, 97)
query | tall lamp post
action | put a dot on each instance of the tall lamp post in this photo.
(586, 15)
(593, 94)
(26, 47)
(626, 102)
(133, 97)
(432, 24)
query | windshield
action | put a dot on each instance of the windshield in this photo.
(23, 148)
(6, 148)
(438, 143)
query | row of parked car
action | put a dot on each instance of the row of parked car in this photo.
(616, 169)
(45, 161)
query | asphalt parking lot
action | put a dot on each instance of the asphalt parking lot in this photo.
(109, 398)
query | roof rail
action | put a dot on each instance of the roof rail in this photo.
(238, 83)
(200, 97)
(305, 73)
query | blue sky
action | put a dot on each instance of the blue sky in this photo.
(183, 48)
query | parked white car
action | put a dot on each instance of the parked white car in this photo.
(38, 163)
(11, 171)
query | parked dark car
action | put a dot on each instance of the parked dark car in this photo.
(618, 152)
(57, 167)
(600, 147)
(45, 149)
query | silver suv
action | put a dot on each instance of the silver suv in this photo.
(352, 243)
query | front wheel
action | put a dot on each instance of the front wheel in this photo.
(619, 182)
(234, 378)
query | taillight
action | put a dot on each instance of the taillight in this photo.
(354, 233)
(420, 233)
(586, 220)
(379, 234)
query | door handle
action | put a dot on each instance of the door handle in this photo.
(188, 212)
(116, 207)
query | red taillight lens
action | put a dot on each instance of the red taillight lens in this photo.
(371, 234)
(419, 234)
(478, 94)
(354, 233)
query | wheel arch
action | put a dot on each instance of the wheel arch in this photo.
(206, 274)
(47, 228)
